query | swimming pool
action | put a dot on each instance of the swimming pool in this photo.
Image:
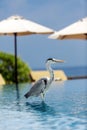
(65, 107)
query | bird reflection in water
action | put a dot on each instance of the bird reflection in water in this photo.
(40, 107)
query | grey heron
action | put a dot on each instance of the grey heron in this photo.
(41, 86)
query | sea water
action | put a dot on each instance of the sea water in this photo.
(64, 108)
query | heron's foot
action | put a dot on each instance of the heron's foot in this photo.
(42, 96)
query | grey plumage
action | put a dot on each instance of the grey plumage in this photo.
(37, 88)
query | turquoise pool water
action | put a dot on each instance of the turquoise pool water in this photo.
(65, 107)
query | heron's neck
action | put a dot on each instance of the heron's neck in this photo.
(51, 72)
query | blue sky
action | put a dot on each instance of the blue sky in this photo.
(55, 14)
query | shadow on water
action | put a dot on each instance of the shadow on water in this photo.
(41, 107)
(17, 91)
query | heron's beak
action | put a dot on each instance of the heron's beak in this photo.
(60, 61)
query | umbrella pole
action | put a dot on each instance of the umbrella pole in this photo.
(16, 72)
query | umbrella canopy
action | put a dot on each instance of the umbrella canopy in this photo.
(77, 30)
(21, 26)
(18, 26)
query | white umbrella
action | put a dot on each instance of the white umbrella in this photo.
(18, 26)
(21, 26)
(77, 30)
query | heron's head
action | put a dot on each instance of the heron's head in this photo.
(52, 60)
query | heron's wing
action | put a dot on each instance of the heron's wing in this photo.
(37, 88)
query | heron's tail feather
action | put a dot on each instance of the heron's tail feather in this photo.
(27, 94)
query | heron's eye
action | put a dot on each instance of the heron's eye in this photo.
(50, 59)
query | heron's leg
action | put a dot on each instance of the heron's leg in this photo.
(42, 96)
